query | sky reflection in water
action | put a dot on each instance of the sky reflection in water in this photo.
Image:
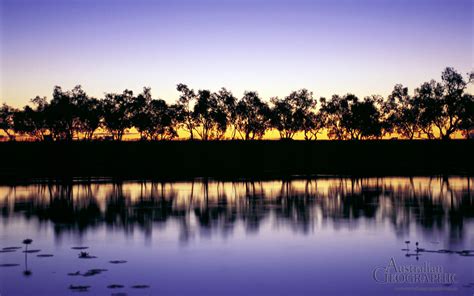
(299, 237)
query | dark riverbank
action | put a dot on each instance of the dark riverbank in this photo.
(233, 159)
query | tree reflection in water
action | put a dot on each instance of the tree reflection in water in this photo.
(434, 204)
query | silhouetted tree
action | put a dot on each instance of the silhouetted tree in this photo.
(153, 119)
(90, 113)
(364, 119)
(33, 121)
(427, 99)
(436, 108)
(210, 117)
(252, 116)
(402, 114)
(6, 121)
(140, 112)
(184, 109)
(228, 104)
(466, 115)
(313, 124)
(162, 122)
(294, 114)
(62, 113)
(333, 111)
(282, 118)
(441, 104)
(118, 113)
(349, 118)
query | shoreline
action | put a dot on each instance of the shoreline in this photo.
(122, 180)
(185, 160)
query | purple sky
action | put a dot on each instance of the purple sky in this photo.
(327, 46)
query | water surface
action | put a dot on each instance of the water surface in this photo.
(321, 236)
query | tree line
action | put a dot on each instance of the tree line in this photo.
(435, 110)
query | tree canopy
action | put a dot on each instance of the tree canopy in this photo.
(436, 109)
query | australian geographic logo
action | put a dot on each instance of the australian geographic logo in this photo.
(412, 274)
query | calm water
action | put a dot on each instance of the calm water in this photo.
(302, 237)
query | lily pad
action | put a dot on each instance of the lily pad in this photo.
(44, 255)
(80, 248)
(92, 272)
(115, 286)
(140, 286)
(79, 288)
(118, 261)
(11, 248)
(445, 251)
(88, 257)
(32, 251)
(9, 265)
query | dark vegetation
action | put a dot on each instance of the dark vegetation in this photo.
(436, 110)
(232, 159)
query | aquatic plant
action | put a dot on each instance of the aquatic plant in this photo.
(140, 286)
(115, 286)
(407, 242)
(118, 261)
(27, 242)
(83, 255)
(92, 272)
(79, 288)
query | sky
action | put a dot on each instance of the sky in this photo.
(273, 46)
